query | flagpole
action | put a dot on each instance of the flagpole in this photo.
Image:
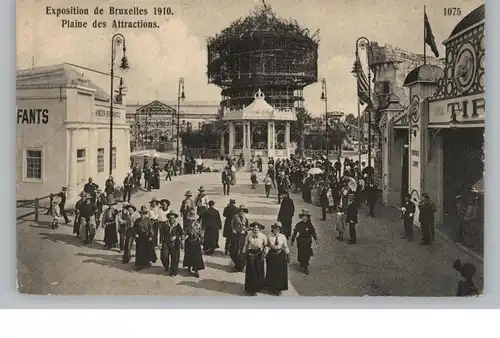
(425, 47)
(359, 134)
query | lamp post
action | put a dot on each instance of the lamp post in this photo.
(117, 40)
(324, 97)
(370, 107)
(180, 95)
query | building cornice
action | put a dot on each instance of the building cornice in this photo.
(55, 86)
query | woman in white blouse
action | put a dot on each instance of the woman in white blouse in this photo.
(255, 251)
(278, 258)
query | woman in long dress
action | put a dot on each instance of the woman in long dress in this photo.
(109, 221)
(193, 258)
(278, 258)
(304, 232)
(255, 253)
(143, 240)
(239, 226)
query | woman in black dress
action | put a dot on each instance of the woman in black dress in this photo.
(109, 221)
(255, 253)
(193, 258)
(304, 232)
(278, 257)
(144, 250)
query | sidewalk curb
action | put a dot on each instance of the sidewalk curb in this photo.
(449, 239)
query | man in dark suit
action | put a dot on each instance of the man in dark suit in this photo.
(229, 212)
(212, 224)
(62, 194)
(128, 184)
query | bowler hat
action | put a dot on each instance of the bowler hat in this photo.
(188, 193)
(243, 208)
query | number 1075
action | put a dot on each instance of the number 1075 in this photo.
(452, 11)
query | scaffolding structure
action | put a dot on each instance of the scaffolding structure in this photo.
(262, 51)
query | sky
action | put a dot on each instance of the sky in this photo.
(159, 56)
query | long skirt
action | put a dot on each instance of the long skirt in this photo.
(340, 223)
(110, 235)
(233, 178)
(170, 256)
(277, 271)
(255, 277)
(287, 227)
(144, 251)
(193, 258)
(76, 226)
(236, 251)
(129, 241)
(211, 238)
(304, 251)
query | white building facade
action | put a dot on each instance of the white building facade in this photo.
(63, 133)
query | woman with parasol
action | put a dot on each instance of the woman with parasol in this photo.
(255, 248)
(304, 232)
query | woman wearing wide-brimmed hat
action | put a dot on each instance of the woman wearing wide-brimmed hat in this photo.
(278, 257)
(193, 258)
(239, 226)
(144, 251)
(255, 253)
(109, 218)
(304, 232)
(171, 237)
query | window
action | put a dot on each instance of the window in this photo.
(33, 164)
(80, 155)
(100, 160)
(113, 158)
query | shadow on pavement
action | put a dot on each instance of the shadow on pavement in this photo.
(232, 288)
(226, 268)
(70, 239)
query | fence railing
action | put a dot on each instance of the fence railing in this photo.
(36, 204)
(203, 153)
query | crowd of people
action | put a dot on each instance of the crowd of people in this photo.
(339, 188)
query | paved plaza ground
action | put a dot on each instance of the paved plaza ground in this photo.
(381, 264)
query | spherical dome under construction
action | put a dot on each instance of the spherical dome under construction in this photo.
(263, 51)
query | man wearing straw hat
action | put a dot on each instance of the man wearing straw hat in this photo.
(171, 243)
(239, 226)
(187, 206)
(87, 220)
(130, 233)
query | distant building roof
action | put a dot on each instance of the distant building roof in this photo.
(424, 73)
(469, 20)
(60, 74)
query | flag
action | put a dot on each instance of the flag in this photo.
(429, 37)
(363, 85)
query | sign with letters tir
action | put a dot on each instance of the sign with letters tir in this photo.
(33, 116)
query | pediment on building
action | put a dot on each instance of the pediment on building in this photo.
(155, 108)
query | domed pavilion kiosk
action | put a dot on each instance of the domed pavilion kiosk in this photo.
(262, 63)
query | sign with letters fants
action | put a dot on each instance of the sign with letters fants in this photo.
(105, 113)
(32, 116)
(466, 108)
